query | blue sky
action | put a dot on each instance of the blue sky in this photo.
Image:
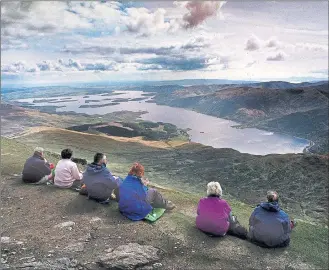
(57, 42)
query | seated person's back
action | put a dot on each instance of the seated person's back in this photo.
(213, 212)
(136, 199)
(36, 167)
(66, 171)
(99, 180)
(269, 226)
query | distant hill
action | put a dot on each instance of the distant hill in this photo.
(300, 110)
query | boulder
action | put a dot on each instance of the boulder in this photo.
(129, 256)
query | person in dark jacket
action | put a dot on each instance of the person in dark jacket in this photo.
(269, 226)
(36, 168)
(99, 181)
(136, 199)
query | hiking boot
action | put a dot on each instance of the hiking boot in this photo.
(170, 205)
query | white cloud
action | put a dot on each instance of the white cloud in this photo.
(279, 56)
(60, 66)
(253, 43)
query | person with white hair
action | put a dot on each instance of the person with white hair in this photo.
(214, 215)
(37, 169)
(269, 226)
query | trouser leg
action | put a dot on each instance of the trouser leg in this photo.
(76, 185)
(236, 229)
(155, 198)
(43, 180)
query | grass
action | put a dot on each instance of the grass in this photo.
(308, 241)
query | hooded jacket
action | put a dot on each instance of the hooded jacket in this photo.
(269, 225)
(133, 203)
(99, 181)
(35, 168)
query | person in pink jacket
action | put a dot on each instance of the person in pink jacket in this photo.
(214, 215)
(67, 174)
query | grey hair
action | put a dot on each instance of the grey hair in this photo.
(214, 188)
(272, 196)
(39, 149)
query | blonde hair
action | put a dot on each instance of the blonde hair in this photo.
(214, 188)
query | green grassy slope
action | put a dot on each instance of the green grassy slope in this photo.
(309, 240)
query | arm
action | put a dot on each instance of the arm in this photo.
(111, 177)
(76, 173)
(286, 223)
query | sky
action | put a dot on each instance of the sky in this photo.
(53, 42)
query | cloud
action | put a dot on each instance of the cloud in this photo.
(279, 56)
(198, 12)
(60, 66)
(173, 63)
(273, 42)
(312, 47)
(253, 43)
(145, 23)
(192, 45)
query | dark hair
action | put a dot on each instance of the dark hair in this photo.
(98, 157)
(67, 153)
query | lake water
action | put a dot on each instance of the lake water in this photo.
(204, 129)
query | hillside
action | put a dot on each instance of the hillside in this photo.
(47, 228)
(300, 111)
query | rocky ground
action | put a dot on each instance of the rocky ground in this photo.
(47, 228)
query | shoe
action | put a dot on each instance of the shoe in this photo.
(170, 205)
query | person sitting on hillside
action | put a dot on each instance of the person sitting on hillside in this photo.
(99, 181)
(269, 226)
(37, 169)
(136, 199)
(67, 174)
(214, 215)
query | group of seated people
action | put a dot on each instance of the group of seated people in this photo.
(269, 226)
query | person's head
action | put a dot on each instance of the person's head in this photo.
(39, 151)
(100, 159)
(137, 169)
(66, 153)
(272, 196)
(214, 189)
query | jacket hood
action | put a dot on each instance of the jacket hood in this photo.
(95, 168)
(271, 206)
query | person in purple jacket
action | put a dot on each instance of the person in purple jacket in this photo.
(214, 215)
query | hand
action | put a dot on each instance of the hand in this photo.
(145, 181)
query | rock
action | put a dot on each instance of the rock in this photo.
(129, 256)
(65, 224)
(5, 240)
(56, 264)
(95, 219)
(157, 265)
(75, 247)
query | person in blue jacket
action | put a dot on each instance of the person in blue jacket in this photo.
(269, 226)
(99, 181)
(136, 200)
